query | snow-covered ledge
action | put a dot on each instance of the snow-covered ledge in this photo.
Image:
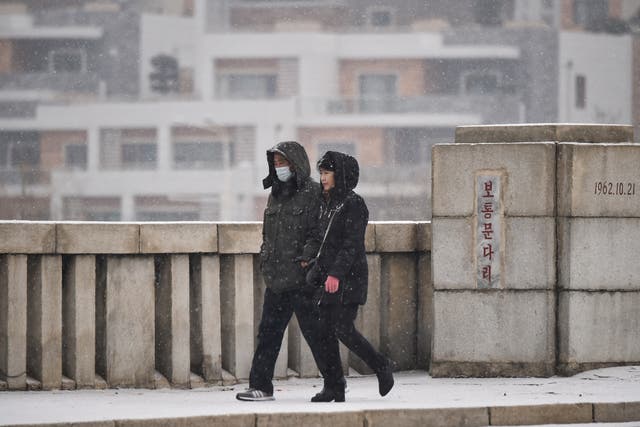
(94, 304)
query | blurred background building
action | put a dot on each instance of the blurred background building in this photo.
(140, 110)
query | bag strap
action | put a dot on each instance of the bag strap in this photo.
(326, 233)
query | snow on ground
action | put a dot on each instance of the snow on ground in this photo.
(414, 389)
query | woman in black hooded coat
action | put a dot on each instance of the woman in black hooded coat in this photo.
(342, 264)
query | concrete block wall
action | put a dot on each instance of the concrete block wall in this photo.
(509, 329)
(598, 244)
(567, 273)
(92, 305)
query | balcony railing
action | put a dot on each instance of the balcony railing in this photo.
(61, 82)
(24, 178)
(493, 108)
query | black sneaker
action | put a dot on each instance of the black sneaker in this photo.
(255, 395)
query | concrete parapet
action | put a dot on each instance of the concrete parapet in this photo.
(544, 132)
(529, 169)
(13, 321)
(205, 320)
(125, 338)
(172, 352)
(188, 238)
(423, 236)
(124, 317)
(493, 333)
(78, 305)
(97, 238)
(613, 317)
(44, 320)
(599, 253)
(24, 237)
(239, 238)
(370, 238)
(598, 180)
(395, 236)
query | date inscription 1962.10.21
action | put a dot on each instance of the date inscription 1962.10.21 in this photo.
(609, 188)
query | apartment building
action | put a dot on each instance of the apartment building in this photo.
(382, 82)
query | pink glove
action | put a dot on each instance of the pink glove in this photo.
(331, 284)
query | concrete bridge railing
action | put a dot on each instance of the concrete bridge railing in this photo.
(95, 305)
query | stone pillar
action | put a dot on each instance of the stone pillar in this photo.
(13, 321)
(125, 314)
(206, 347)
(172, 319)
(44, 320)
(79, 298)
(236, 300)
(236, 244)
(598, 248)
(398, 292)
(493, 252)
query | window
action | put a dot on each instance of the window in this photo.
(380, 17)
(377, 92)
(177, 208)
(488, 12)
(91, 208)
(128, 149)
(248, 86)
(75, 156)
(581, 91)
(137, 155)
(589, 14)
(67, 61)
(341, 146)
(19, 149)
(198, 155)
(481, 83)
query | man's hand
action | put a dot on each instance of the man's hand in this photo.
(304, 264)
(332, 284)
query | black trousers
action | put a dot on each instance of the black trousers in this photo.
(277, 310)
(336, 323)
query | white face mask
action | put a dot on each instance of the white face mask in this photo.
(284, 173)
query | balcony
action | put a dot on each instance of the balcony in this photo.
(492, 108)
(23, 178)
(55, 82)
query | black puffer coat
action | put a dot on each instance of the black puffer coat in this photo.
(343, 254)
(290, 223)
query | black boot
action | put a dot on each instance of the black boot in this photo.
(329, 394)
(385, 378)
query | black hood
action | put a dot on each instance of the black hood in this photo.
(346, 172)
(296, 155)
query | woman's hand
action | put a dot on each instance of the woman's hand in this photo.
(304, 264)
(332, 284)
